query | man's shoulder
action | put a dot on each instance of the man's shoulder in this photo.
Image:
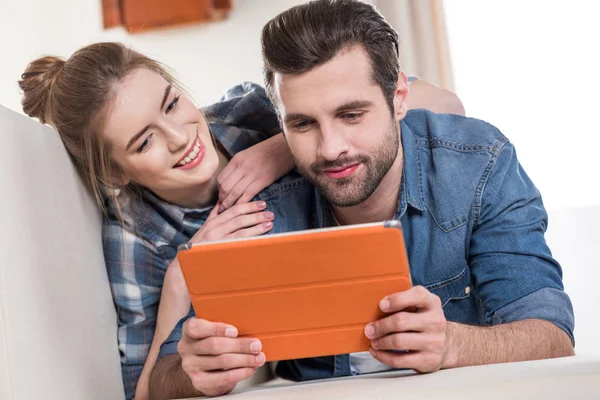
(455, 132)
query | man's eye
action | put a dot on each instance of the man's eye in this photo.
(353, 116)
(302, 125)
(172, 104)
(144, 144)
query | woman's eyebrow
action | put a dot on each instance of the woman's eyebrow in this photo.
(140, 133)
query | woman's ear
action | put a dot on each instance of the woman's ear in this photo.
(401, 97)
(117, 178)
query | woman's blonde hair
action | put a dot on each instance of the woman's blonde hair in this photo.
(75, 96)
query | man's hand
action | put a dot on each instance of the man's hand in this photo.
(214, 358)
(416, 327)
(252, 170)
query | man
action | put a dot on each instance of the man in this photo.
(487, 289)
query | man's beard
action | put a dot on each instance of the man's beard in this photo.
(355, 189)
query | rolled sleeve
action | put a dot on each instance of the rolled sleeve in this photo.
(169, 346)
(536, 306)
(243, 117)
(509, 258)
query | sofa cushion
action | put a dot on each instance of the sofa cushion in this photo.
(57, 320)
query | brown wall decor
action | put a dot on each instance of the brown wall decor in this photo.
(143, 15)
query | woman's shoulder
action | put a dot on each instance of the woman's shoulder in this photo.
(131, 219)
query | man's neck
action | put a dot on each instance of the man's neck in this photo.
(383, 203)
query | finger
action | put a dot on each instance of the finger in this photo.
(227, 184)
(245, 221)
(251, 191)
(402, 341)
(242, 209)
(256, 230)
(236, 192)
(220, 382)
(230, 361)
(216, 345)
(397, 322)
(197, 328)
(213, 229)
(417, 360)
(230, 168)
(417, 296)
(214, 212)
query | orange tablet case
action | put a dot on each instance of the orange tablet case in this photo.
(303, 294)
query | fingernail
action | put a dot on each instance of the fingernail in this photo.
(372, 351)
(384, 304)
(269, 215)
(374, 344)
(231, 332)
(260, 359)
(369, 331)
(261, 205)
(267, 225)
(221, 209)
(255, 346)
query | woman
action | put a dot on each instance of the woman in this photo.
(164, 173)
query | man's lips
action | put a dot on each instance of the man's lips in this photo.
(343, 172)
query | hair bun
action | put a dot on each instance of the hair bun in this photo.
(36, 83)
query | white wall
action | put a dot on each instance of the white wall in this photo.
(532, 68)
(207, 58)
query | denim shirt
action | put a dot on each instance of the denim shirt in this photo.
(473, 224)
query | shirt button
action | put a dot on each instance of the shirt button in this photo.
(468, 290)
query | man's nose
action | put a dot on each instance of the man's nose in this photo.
(333, 143)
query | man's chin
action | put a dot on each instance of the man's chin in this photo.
(342, 197)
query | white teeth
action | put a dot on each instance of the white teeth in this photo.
(192, 154)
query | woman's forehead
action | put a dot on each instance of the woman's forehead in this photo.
(136, 103)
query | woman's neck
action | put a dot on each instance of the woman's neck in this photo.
(202, 196)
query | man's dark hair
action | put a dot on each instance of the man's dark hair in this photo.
(311, 34)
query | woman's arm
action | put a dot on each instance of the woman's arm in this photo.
(423, 94)
(174, 305)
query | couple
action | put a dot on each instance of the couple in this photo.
(165, 173)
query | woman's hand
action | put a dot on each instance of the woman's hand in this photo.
(252, 170)
(241, 220)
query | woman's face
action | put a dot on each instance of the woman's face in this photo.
(160, 139)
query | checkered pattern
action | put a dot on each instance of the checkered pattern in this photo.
(137, 255)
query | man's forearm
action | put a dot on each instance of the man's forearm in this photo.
(169, 380)
(516, 341)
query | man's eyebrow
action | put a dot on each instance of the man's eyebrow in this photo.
(289, 118)
(140, 133)
(353, 105)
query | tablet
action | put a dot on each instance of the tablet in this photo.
(303, 294)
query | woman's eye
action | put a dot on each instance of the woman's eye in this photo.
(144, 144)
(172, 104)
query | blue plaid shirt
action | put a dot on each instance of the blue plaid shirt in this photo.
(137, 255)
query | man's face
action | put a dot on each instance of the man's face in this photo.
(340, 129)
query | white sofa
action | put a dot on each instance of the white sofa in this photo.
(58, 324)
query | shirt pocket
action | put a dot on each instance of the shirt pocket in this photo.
(457, 287)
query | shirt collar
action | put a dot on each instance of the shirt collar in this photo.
(411, 187)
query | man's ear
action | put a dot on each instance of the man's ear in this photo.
(401, 97)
